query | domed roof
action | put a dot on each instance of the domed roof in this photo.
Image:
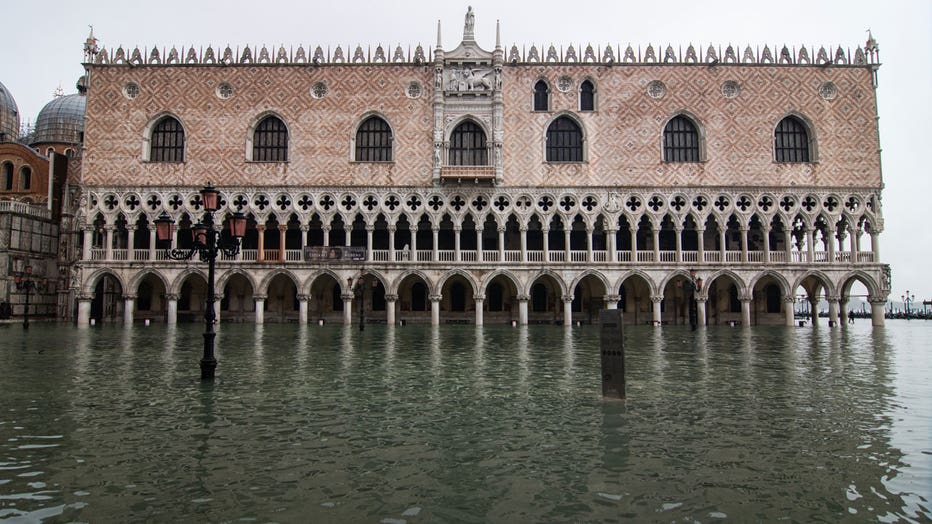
(61, 121)
(9, 116)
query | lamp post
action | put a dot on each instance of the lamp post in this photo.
(27, 283)
(907, 300)
(208, 243)
(359, 291)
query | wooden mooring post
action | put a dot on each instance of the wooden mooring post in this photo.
(613, 353)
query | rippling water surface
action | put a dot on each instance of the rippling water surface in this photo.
(465, 424)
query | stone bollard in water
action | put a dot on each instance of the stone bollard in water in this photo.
(613, 353)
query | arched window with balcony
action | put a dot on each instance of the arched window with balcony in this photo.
(792, 141)
(681, 140)
(541, 96)
(166, 143)
(270, 140)
(564, 141)
(468, 145)
(587, 96)
(374, 141)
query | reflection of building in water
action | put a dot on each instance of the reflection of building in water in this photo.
(482, 186)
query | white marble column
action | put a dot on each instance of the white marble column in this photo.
(744, 244)
(766, 231)
(302, 309)
(789, 304)
(877, 311)
(700, 243)
(171, 308)
(480, 300)
(435, 247)
(611, 242)
(152, 239)
(611, 301)
(347, 308)
(479, 256)
(84, 309)
(501, 243)
(87, 243)
(633, 231)
(260, 308)
(655, 234)
(745, 311)
(545, 234)
(566, 242)
(457, 230)
(524, 243)
(522, 309)
(370, 230)
(128, 302)
(391, 242)
(390, 301)
(567, 310)
(700, 311)
(109, 242)
(657, 315)
(833, 310)
(435, 310)
(810, 244)
(679, 244)
(589, 232)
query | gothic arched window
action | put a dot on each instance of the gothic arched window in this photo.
(680, 140)
(564, 141)
(270, 141)
(167, 141)
(791, 141)
(541, 96)
(467, 146)
(587, 96)
(374, 141)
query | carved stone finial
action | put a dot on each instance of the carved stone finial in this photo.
(154, 57)
(172, 57)
(552, 54)
(822, 57)
(571, 54)
(247, 56)
(649, 55)
(589, 54)
(399, 55)
(669, 56)
(691, 57)
(419, 55)
(608, 56)
(840, 57)
(785, 56)
(191, 57)
(264, 56)
(803, 56)
(209, 57)
(730, 57)
(300, 57)
(629, 55)
(358, 56)
(710, 55)
(338, 55)
(513, 56)
(379, 57)
(532, 55)
(282, 56)
(766, 56)
(748, 57)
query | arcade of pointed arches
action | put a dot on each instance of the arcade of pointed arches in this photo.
(502, 296)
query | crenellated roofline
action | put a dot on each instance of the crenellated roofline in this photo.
(553, 54)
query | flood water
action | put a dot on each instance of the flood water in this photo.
(465, 424)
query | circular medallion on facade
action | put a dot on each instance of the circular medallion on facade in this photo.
(564, 84)
(224, 91)
(131, 90)
(656, 89)
(413, 90)
(319, 90)
(730, 89)
(828, 90)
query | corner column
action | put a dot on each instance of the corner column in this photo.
(84, 309)
(877, 311)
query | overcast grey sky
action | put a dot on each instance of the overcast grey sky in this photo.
(44, 41)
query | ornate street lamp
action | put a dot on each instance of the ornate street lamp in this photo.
(907, 300)
(27, 283)
(209, 244)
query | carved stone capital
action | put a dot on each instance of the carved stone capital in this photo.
(656, 299)
(391, 297)
(303, 298)
(478, 298)
(172, 296)
(435, 298)
(523, 298)
(259, 297)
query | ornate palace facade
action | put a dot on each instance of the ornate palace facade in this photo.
(527, 185)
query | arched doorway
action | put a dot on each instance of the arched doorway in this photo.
(237, 304)
(150, 298)
(281, 301)
(107, 305)
(588, 299)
